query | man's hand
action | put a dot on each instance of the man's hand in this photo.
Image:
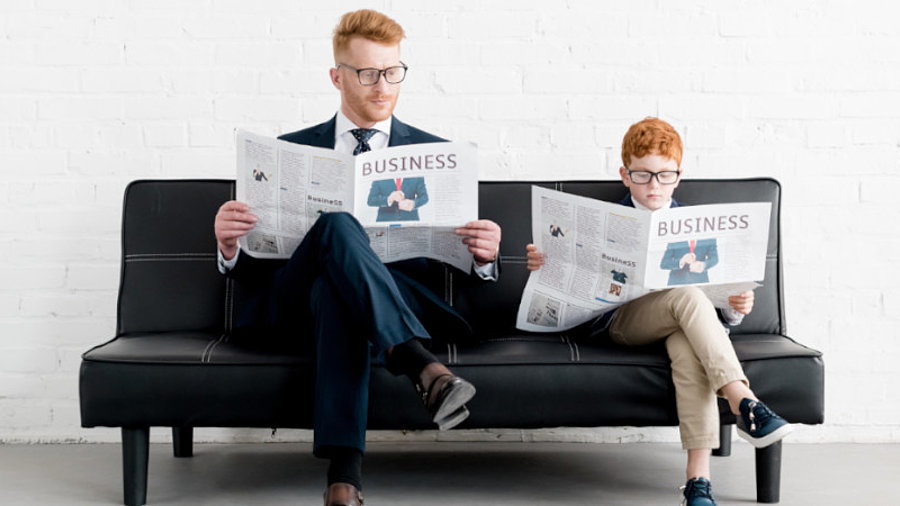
(742, 303)
(688, 258)
(483, 239)
(407, 205)
(697, 267)
(535, 258)
(232, 222)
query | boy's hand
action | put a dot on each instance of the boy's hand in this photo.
(233, 221)
(742, 303)
(483, 239)
(535, 258)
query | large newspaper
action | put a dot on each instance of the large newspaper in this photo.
(599, 255)
(409, 198)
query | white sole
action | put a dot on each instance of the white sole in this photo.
(458, 417)
(769, 439)
(456, 400)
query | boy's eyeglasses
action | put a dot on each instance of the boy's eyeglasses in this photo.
(370, 76)
(644, 177)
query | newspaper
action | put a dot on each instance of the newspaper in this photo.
(599, 255)
(409, 198)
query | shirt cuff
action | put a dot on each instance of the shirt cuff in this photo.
(226, 265)
(487, 272)
(731, 316)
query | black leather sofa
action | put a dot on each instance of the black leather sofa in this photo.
(176, 361)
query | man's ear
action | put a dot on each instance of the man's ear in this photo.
(335, 74)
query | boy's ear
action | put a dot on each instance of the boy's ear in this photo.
(623, 173)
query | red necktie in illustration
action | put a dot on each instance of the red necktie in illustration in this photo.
(693, 243)
(398, 180)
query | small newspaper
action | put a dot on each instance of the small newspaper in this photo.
(599, 255)
(408, 198)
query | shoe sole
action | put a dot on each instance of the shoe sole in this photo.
(458, 397)
(458, 417)
(769, 439)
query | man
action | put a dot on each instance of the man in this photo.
(336, 290)
(688, 262)
(398, 199)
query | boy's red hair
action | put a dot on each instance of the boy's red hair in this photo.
(651, 136)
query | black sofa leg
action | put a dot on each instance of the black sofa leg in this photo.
(768, 474)
(183, 441)
(724, 449)
(135, 456)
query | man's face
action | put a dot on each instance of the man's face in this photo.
(652, 195)
(366, 105)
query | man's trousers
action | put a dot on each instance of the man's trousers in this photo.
(336, 289)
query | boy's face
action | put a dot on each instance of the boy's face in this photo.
(652, 195)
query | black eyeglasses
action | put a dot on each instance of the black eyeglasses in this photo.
(644, 177)
(370, 76)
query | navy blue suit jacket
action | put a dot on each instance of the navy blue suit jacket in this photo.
(413, 276)
(412, 187)
(706, 252)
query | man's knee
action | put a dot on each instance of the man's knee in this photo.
(339, 223)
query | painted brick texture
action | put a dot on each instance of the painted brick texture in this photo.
(96, 93)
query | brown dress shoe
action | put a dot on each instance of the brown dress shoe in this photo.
(342, 494)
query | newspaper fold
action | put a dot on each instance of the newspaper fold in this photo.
(599, 255)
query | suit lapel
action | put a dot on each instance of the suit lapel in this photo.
(323, 134)
(399, 133)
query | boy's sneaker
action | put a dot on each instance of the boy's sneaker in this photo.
(759, 425)
(698, 492)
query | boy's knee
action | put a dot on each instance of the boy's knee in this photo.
(688, 297)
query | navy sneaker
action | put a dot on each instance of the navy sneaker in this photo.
(760, 425)
(698, 492)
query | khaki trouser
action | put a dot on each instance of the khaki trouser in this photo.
(703, 359)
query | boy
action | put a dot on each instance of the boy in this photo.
(704, 363)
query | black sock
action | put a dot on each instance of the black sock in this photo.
(345, 466)
(410, 358)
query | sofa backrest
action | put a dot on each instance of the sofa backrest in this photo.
(491, 307)
(169, 280)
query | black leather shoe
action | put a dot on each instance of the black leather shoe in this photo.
(343, 494)
(445, 400)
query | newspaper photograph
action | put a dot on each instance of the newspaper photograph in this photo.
(408, 198)
(599, 255)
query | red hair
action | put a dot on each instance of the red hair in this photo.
(368, 24)
(651, 136)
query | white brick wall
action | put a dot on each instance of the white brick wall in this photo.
(95, 93)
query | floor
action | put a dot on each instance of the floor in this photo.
(447, 473)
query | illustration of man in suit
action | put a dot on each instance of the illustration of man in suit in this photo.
(689, 261)
(335, 293)
(398, 199)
